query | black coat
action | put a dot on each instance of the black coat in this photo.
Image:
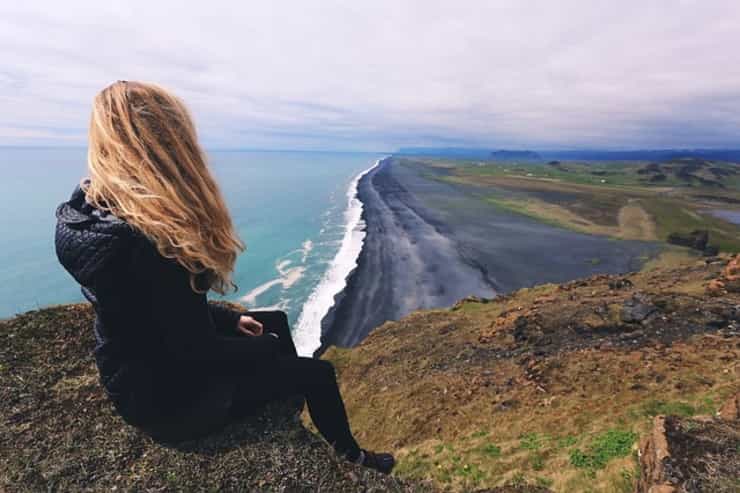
(155, 336)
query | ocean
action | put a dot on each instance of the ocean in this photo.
(296, 211)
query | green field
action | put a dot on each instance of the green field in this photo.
(626, 200)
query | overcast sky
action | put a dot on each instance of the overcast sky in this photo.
(376, 74)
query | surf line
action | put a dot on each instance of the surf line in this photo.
(307, 333)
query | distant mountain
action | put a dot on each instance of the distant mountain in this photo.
(471, 152)
(504, 155)
(732, 155)
(446, 152)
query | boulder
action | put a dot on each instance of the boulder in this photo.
(697, 239)
(729, 411)
(636, 309)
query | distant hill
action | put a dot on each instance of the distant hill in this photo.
(504, 155)
(692, 171)
(732, 155)
(446, 152)
(473, 153)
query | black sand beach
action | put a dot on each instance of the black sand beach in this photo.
(430, 243)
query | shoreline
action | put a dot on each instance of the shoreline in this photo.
(405, 264)
(429, 244)
(333, 282)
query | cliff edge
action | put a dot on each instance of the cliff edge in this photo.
(60, 433)
(546, 389)
(553, 386)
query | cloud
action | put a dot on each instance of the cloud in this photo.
(382, 74)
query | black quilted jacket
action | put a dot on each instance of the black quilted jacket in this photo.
(154, 333)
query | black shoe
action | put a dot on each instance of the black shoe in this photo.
(381, 462)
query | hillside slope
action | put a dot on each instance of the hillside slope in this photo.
(550, 386)
(547, 389)
(60, 433)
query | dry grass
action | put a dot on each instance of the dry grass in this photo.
(60, 433)
(470, 400)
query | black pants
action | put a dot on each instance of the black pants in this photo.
(236, 390)
(291, 375)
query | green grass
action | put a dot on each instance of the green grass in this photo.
(603, 448)
(676, 216)
(519, 208)
(670, 215)
(491, 450)
(531, 441)
(676, 408)
(655, 407)
(538, 462)
(566, 441)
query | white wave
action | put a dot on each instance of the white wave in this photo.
(307, 333)
(288, 277)
(282, 305)
(306, 248)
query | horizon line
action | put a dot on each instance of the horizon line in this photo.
(412, 147)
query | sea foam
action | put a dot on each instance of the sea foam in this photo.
(288, 277)
(307, 332)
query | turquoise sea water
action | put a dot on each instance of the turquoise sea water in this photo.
(293, 210)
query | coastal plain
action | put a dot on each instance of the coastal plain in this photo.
(439, 229)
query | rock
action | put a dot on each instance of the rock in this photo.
(716, 288)
(469, 299)
(731, 271)
(697, 239)
(690, 454)
(620, 284)
(636, 309)
(732, 285)
(520, 328)
(729, 411)
(653, 451)
(710, 251)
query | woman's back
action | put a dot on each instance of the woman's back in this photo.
(154, 333)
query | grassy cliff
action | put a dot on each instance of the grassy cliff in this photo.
(550, 386)
(60, 433)
(546, 389)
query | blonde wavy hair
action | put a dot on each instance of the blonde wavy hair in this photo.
(147, 168)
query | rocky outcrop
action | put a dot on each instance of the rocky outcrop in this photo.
(653, 451)
(728, 280)
(696, 240)
(692, 454)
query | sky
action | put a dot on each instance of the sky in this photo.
(382, 74)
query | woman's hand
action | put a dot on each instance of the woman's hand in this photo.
(249, 326)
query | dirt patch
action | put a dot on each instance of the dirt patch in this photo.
(635, 223)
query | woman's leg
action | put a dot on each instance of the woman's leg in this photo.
(313, 378)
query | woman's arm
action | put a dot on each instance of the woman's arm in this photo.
(225, 319)
(185, 319)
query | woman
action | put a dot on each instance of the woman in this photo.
(147, 236)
